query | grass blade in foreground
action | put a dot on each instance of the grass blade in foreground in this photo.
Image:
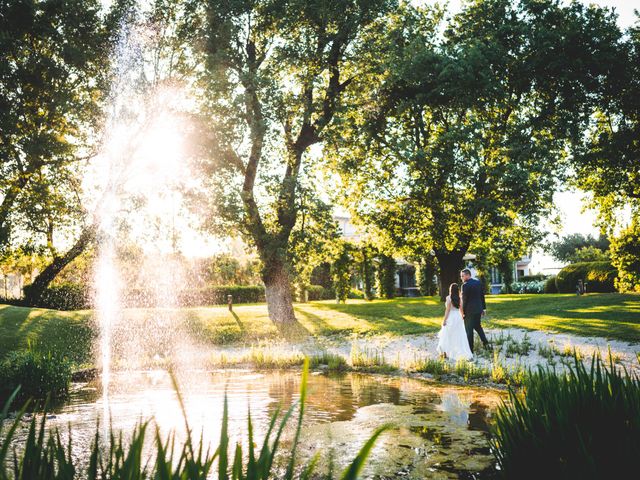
(45, 457)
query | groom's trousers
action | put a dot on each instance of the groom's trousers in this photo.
(471, 323)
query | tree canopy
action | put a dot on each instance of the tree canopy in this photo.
(460, 140)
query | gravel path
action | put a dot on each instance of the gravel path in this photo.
(514, 347)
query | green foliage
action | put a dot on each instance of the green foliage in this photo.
(341, 270)
(606, 162)
(599, 276)
(550, 285)
(45, 457)
(425, 273)
(37, 374)
(589, 254)
(505, 267)
(357, 294)
(225, 269)
(387, 268)
(216, 295)
(272, 78)
(66, 296)
(577, 247)
(497, 372)
(625, 256)
(318, 292)
(582, 424)
(52, 83)
(367, 270)
(532, 278)
(460, 141)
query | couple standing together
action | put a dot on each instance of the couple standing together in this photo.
(463, 314)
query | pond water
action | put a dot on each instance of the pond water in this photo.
(439, 431)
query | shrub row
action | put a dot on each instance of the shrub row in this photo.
(599, 276)
(532, 278)
(71, 296)
(218, 295)
(66, 296)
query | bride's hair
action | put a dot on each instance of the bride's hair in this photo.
(454, 293)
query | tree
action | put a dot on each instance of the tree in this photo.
(387, 268)
(51, 82)
(567, 248)
(625, 256)
(590, 254)
(275, 73)
(607, 162)
(313, 240)
(454, 141)
(426, 271)
(341, 264)
(365, 255)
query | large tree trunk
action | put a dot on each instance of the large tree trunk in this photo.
(278, 293)
(450, 263)
(33, 293)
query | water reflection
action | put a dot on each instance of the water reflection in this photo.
(439, 431)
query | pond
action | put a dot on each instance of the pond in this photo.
(439, 431)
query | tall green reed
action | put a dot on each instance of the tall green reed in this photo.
(584, 423)
(45, 457)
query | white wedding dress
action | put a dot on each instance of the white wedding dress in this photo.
(452, 339)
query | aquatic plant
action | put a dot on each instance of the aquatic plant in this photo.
(45, 457)
(584, 423)
(369, 359)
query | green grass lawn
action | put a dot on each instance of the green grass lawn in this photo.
(614, 316)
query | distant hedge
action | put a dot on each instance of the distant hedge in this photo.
(66, 296)
(70, 296)
(599, 276)
(532, 278)
(218, 295)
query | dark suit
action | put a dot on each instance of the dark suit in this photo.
(473, 305)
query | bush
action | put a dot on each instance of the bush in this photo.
(550, 285)
(37, 374)
(66, 296)
(355, 293)
(218, 295)
(583, 424)
(536, 286)
(625, 254)
(532, 278)
(600, 277)
(318, 292)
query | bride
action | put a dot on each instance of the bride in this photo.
(452, 339)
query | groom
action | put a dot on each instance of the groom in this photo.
(472, 307)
